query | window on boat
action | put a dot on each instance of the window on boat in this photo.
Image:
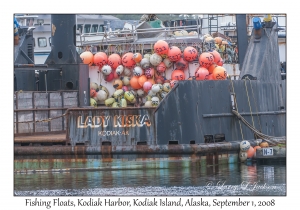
(79, 28)
(87, 28)
(94, 28)
(29, 22)
(101, 28)
(42, 42)
(49, 41)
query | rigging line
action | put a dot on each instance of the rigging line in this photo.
(236, 106)
(255, 103)
(269, 139)
(249, 103)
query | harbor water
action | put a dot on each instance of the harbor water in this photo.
(248, 178)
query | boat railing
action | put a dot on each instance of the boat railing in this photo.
(135, 35)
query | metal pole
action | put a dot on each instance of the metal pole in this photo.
(46, 81)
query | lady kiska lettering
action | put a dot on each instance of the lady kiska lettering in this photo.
(117, 121)
(131, 120)
(93, 122)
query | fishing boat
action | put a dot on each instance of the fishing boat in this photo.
(85, 24)
(59, 127)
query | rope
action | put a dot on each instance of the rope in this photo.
(272, 140)
(236, 107)
(254, 103)
(249, 104)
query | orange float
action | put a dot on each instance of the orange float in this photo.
(264, 144)
(114, 60)
(206, 59)
(87, 57)
(137, 57)
(178, 75)
(92, 92)
(127, 60)
(218, 40)
(174, 53)
(161, 67)
(134, 82)
(219, 73)
(217, 56)
(118, 84)
(212, 67)
(142, 79)
(250, 152)
(190, 54)
(201, 73)
(161, 47)
(100, 59)
(181, 64)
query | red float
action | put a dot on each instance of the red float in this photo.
(217, 56)
(206, 59)
(114, 60)
(174, 53)
(127, 60)
(100, 59)
(178, 75)
(161, 47)
(190, 54)
(201, 73)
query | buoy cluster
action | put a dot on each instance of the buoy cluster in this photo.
(249, 152)
(143, 77)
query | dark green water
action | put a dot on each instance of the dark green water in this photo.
(225, 180)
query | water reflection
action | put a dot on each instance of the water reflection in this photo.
(179, 179)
